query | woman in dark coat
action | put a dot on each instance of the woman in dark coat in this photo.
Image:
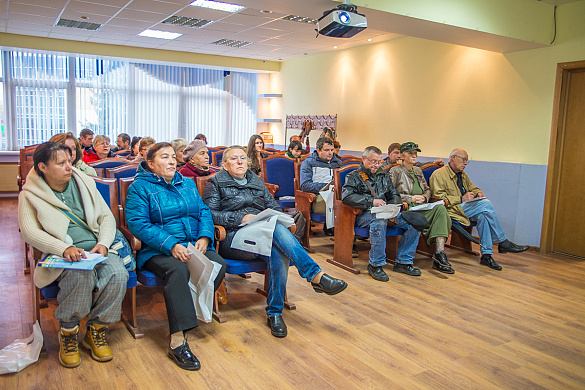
(234, 195)
(166, 213)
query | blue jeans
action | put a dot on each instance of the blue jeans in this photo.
(285, 248)
(488, 225)
(406, 246)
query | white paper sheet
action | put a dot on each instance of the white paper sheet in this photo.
(427, 206)
(386, 212)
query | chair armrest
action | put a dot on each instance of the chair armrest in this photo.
(219, 233)
(305, 195)
(434, 199)
(293, 228)
(134, 242)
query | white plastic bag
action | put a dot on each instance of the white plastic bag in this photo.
(22, 353)
(203, 298)
(256, 237)
(328, 196)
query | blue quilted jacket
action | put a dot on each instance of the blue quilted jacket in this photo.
(162, 215)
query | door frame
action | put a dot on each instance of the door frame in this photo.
(557, 136)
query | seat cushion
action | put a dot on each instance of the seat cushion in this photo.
(365, 232)
(149, 279)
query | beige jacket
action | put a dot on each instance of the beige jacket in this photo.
(444, 186)
(403, 182)
(44, 227)
(83, 167)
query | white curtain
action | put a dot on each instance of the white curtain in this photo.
(46, 94)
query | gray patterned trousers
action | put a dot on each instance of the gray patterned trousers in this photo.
(96, 294)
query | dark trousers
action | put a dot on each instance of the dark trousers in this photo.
(180, 307)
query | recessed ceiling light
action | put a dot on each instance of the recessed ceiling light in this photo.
(369, 39)
(335, 47)
(159, 34)
(217, 5)
(265, 11)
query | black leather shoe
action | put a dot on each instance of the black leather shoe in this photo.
(490, 262)
(277, 326)
(184, 358)
(328, 232)
(441, 257)
(509, 246)
(377, 273)
(442, 268)
(354, 253)
(406, 269)
(329, 285)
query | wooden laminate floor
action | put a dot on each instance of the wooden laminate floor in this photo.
(521, 328)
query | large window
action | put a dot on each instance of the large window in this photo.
(45, 94)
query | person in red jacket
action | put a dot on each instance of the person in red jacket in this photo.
(100, 149)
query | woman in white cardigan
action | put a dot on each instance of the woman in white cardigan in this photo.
(52, 190)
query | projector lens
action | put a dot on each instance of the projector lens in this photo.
(344, 18)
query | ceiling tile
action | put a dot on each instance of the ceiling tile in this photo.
(54, 3)
(90, 8)
(287, 25)
(28, 26)
(72, 31)
(155, 6)
(32, 10)
(71, 37)
(108, 41)
(130, 32)
(127, 23)
(13, 30)
(225, 27)
(115, 3)
(256, 12)
(265, 32)
(142, 16)
(43, 20)
(248, 20)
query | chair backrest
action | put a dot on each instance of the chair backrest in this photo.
(128, 170)
(272, 150)
(349, 161)
(216, 158)
(24, 167)
(428, 170)
(388, 167)
(108, 188)
(349, 157)
(100, 172)
(339, 178)
(124, 184)
(111, 162)
(123, 154)
(280, 170)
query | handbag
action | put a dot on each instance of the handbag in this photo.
(119, 247)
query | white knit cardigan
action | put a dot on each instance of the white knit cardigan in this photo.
(45, 227)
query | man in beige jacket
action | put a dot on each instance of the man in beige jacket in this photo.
(465, 202)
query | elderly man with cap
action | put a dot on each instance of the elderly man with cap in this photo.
(410, 183)
(394, 156)
(466, 202)
(196, 156)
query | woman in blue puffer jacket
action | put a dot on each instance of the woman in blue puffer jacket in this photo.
(164, 210)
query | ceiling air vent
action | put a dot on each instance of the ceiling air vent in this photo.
(231, 43)
(300, 19)
(78, 24)
(185, 21)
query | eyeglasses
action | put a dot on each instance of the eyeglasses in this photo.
(104, 144)
(375, 162)
(462, 159)
(236, 159)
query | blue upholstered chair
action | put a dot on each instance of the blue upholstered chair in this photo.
(109, 191)
(216, 158)
(280, 170)
(345, 229)
(121, 172)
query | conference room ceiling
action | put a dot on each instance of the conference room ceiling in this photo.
(262, 26)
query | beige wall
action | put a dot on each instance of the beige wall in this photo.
(497, 106)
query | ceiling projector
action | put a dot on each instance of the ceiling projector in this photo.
(341, 22)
